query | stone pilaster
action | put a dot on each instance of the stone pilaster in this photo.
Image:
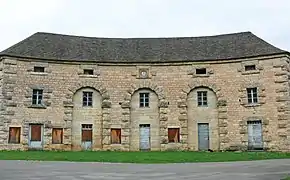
(282, 74)
(8, 75)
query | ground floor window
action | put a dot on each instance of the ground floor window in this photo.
(115, 136)
(14, 135)
(173, 135)
(57, 136)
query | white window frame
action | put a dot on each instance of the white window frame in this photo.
(252, 95)
(38, 94)
(202, 98)
(87, 100)
(142, 99)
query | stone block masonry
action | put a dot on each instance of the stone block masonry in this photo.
(173, 103)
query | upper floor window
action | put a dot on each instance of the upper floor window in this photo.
(202, 98)
(37, 96)
(200, 71)
(252, 94)
(250, 67)
(87, 98)
(38, 69)
(144, 99)
(88, 71)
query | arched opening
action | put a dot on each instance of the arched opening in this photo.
(87, 119)
(145, 126)
(202, 119)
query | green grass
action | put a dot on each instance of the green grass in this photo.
(140, 157)
(286, 178)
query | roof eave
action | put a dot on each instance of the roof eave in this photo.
(3, 55)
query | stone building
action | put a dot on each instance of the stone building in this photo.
(61, 92)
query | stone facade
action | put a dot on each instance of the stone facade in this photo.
(173, 102)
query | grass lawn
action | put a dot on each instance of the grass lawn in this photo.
(140, 157)
(286, 178)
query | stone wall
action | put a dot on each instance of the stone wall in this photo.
(172, 83)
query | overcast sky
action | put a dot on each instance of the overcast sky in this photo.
(268, 19)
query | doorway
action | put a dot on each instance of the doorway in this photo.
(35, 136)
(145, 144)
(87, 136)
(255, 139)
(203, 136)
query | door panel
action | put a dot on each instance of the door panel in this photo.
(87, 136)
(145, 137)
(255, 140)
(35, 136)
(203, 136)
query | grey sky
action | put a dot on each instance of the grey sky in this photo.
(268, 19)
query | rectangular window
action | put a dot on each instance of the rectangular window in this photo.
(38, 69)
(14, 135)
(173, 135)
(115, 136)
(87, 98)
(88, 71)
(200, 71)
(37, 96)
(57, 136)
(250, 67)
(252, 94)
(202, 98)
(144, 99)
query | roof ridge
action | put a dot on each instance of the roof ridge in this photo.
(126, 38)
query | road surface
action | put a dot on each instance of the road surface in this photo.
(254, 170)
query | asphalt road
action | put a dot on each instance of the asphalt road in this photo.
(32, 170)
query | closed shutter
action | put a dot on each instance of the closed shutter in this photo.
(173, 135)
(116, 136)
(14, 135)
(57, 134)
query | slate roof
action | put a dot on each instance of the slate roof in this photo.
(177, 49)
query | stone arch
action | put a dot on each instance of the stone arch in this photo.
(68, 109)
(126, 112)
(221, 109)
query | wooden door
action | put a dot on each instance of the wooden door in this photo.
(87, 136)
(35, 135)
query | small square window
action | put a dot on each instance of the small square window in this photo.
(200, 71)
(57, 136)
(144, 99)
(38, 69)
(115, 136)
(250, 67)
(202, 98)
(87, 98)
(14, 135)
(252, 94)
(88, 71)
(173, 135)
(37, 96)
